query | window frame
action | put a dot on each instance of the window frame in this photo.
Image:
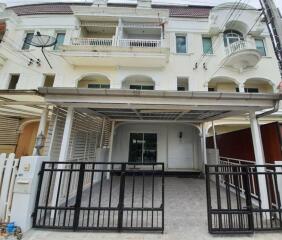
(26, 46)
(56, 46)
(186, 43)
(141, 87)
(98, 86)
(264, 46)
(207, 37)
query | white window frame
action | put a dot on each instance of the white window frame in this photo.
(264, 44)
(175, 47)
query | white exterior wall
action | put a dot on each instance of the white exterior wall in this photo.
(176, 153)
(178, 65)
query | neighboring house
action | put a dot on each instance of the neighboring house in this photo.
(129, 83)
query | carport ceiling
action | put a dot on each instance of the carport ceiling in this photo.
(157, 114)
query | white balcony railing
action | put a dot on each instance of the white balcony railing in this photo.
(125, 43)
(238, 46)
(92, 41)
(141, 43)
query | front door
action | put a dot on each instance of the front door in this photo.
(143, 147)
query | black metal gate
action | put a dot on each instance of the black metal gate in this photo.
(235, 195)
(100, 196)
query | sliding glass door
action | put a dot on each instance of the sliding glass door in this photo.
(142, 147)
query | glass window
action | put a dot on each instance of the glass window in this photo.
(232, 36)
(211, 89)
(141, 87)
(181, 44)
(60, 40)
(260, 47)
(207, 45)
(251, 90)
(28, 38)
(97, 85)
(142, 148)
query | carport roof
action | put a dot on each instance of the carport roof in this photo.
(135, 105)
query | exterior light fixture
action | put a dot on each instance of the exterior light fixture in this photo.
(180, 135)
(39, 143)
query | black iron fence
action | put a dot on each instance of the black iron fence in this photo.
(244, 198)
(100, 196)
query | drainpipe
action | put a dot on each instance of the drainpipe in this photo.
(275, 109)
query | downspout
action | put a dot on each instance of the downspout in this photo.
(275, 109)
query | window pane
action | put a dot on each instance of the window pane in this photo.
(147, 87)
(135, 147)
(181, 44)
(94, 85)
(28, 38)
(207, 45)
(260, 47)
(105, 85)
(251, 90)
(150, 148)
(60, 40)
(137, 87)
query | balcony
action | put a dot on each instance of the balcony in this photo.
(241, 54)
(89, 51)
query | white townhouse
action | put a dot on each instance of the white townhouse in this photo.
(153, 75)
(131, 83)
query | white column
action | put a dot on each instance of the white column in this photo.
(204, 147)
(241, 88)
(64, 151)
(111, 147)
(42, 125)
(66, 135)
(259, 156)
(215, 142)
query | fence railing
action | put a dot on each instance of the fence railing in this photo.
(244, 198)
(8, 170)
(238, 46)
(125, 196)
(125, 43)
(142, 43)
(92, 41)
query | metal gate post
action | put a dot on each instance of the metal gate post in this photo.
(208, 198)
(78, 196)
(121, 196)
(246, 182)
(41, 173)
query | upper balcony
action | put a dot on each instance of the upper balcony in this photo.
(114, 36)
(241, 54)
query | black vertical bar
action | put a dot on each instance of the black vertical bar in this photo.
(78, 196)
(133, 193)
(218, 196)
(248, 197)
(163, 198)
(67, 197)
(90, 194)
(269, 196)
(100, 198)
(121, 196)
(48, 192)
(153, 195)
(143, 193)
(228, 197)
(208, 198)
(110, 196)
(39, 186)
(57, 199)
(278, 200)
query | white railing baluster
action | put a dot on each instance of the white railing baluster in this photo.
(237, 46)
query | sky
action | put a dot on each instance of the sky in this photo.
(254, 3)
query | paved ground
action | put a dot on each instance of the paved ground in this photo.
(185, 218)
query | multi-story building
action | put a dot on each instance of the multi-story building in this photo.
(138, 83)
(160, 74)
